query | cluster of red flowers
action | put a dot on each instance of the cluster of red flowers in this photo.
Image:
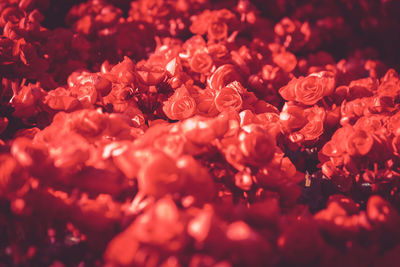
(186, 133)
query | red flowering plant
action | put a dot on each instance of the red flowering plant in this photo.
(26, 100)
(309, 90)
(92, 16)
(180, 105)
(303, 125)
(222, 76)
(368, 142)
(162, 226)
(205, 102)
(293, 34)
(168, 19)
(199, 133)
(214, 24)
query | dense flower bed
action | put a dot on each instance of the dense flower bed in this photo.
(199, 133)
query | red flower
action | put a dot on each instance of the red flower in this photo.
(337, 145)
(123, 72)
(224, 75)
(362, 88)
(201, 62)
(359, 143)
(201, 130)
(26, 101)
(302, 124)
(197, 182)
(285, 26)
(180, 105)
(393, 124)
(86, 94)
(217, 30)
(309, 90)
(205, 102)
(352, 110)
(101, 84)
(69, 150)
(12, 177)
(228, 98)
(380, 212)
(88, 123)
(244, 180)
(292, 117)
(159, 176)
(200, 22)
(390, 84)
(256, 145)
(171, 144)
(315, 126)
(60, 99)
(150, 75)
(285, 60)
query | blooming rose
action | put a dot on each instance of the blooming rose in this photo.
(243, 180)
(171, 144)
(285, 60)
(123, 72)
(180, 105)
(151, 75)
(353, 109)
(302, 124)
(34, 157)
(256, 145)
(192, 45)
(381, 212)
(361, 88)
(201, 130)
(86, 94)
(101, 84)
(217, 30)
(309, 90)
(292, 117)
(228, 98)
(60, 99)
(161, 225)
(201, 62)
(337, 145)
(393, 124)
(12, 176)
(88, 123)
(159, 176)
(359, 143)
(373, 124)
(197, 182)
(218, 51)
(315, 126)
(69, 151)
(200, 22)
(390, 84)
(222, 76)
(25, 101)
(205, 102)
